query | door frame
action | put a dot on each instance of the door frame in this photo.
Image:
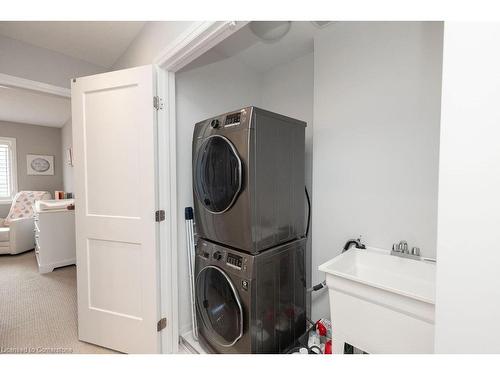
(195, 41)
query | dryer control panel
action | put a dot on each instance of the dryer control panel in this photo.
(232, 119)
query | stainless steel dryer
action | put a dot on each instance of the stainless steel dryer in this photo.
(247, 303)
(248, 179)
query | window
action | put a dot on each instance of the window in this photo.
(8, 169)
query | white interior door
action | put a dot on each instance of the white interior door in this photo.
(114, 138)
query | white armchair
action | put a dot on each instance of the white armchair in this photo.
(17, 229)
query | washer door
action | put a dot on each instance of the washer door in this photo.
(217, 174)
(219, 306)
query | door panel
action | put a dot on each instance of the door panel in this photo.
(114, 149)
(113, 264)
(218, 173)
(114, 137)
(219, 306)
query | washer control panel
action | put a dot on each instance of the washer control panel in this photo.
(225, 258)
(234, 260)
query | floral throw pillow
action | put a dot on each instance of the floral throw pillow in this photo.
(23, 203)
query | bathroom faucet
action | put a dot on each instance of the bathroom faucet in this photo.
(354, 242)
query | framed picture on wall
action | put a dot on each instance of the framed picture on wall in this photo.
(40, 165)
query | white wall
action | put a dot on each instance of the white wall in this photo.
(39, 64)
(201, 93)
(150, 42)
(468, 282)
(288, 89)
(376, 137)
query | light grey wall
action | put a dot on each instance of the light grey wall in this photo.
(377, 88)
(67, 171)
(34, 139)
(235, 86)
(39, 64)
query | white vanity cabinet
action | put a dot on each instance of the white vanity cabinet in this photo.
(54, 238)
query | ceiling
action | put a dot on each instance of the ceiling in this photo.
(263, 55)
(97, 42)
(33, 107)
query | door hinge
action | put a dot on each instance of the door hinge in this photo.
(160, 215)
(162, 324)
(158, 102)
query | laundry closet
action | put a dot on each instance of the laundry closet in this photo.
(341, 79)
(248, 70)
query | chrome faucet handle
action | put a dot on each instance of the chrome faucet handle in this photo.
(415, 251)
(403, 247)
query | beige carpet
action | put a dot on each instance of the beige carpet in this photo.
(38, 313)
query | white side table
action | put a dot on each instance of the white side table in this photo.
(54, 238)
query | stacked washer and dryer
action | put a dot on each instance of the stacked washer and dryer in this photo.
(250, 280)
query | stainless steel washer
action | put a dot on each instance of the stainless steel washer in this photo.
(250, 303)
(248, 179)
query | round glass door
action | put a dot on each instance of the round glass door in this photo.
(217, 174)
(219, 306)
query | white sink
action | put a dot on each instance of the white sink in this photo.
(381, 303)
(411, 278)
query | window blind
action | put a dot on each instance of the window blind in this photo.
(5, 172)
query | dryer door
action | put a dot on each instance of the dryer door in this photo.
(219, 306)
(217, 174)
